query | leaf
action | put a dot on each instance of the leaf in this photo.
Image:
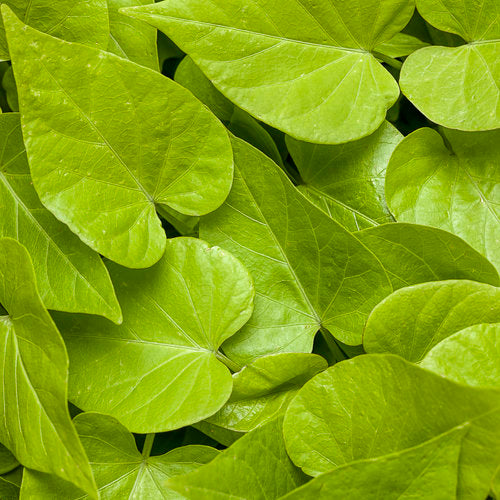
(36, 425)
(347, 181)
(413, 254)
(458, 87)
(263, 389)
(308, 270)
(161, 370)
(107, 140)
(470, 356)
(70, 276)
(219, 434)
(256, 465)
(425, 471)
(317, 79)
(413, 320)
(452, 188)
(375, 405)
(120, 470)
(129, 38)
(81, 21)
(401, 45)
(10, 484)
(9, 85)
(8, 461)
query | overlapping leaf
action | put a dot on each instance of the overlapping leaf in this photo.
(107, 140)
(161, 369)
(308, 270)
(10, 484)
(70, 276)
(455, 188)
(35, 424)
(305, 67)
(458, 87)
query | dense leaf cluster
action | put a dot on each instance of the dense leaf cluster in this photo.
(252, 255)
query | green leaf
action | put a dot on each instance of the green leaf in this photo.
(161, 369)
(454, 188)
(36, 425)
(458, 87)
(470, 356)
(10, 484)
(70, 276)
(401, 45)
(414, 254)
(347, 181)
(81, 21)
(129, 38)
(256, 466)
(219, 434)
(308, 270)
(107, 140)
(9, 85)
(413, 320)
(8, 461)
(316, 79)
(427, 471)
(495, 485)
(119, 469)
(375, 405)
(263, 389)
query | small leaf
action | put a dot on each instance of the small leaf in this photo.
(8, 461)
(36, 425)
(10, 484)
(117, 140)
(401, 45)
(161, 370)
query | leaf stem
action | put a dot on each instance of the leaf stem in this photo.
(234, 367)
(388, 60)
(148, 445)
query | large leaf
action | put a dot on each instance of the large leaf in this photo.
(455, 188)
(129, 38)
(413, 320)
(107, 140)
(256, 466)
(347, 181)
(308, 270)
(413, 254)
(305, 67)
(71, 277)
(35, 424)
(458, 87)
(161, 369)
(263, 389)
(82, 21)
(471, 356)
(119, 469)
(374, 405)
(427, 471)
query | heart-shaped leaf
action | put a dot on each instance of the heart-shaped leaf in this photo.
(316, 79)
(413, 320)
(458, 87)
(107, 140)
(161, 369)
(35, 425)
(454, 188)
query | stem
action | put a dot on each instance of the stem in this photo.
(148, 444)
(234, 367)
(388, 60)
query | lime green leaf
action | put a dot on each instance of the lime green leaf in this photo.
(375, 405)
(414, 254)
(308, 270)
(454, 188)
(458, 87)
(10, 484)
(347, 181)
(8, 461)
(219, 434)
(256, 466)
(470, 356)
(263, 389)
(36, 425)
(129, 38)
(161, 369)
(425, 471)
(495, 485)
(82, 21)
(401, 45)
(413, 320)
(71, 277)
(316, 79)
(119, 469)
(117, 139)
